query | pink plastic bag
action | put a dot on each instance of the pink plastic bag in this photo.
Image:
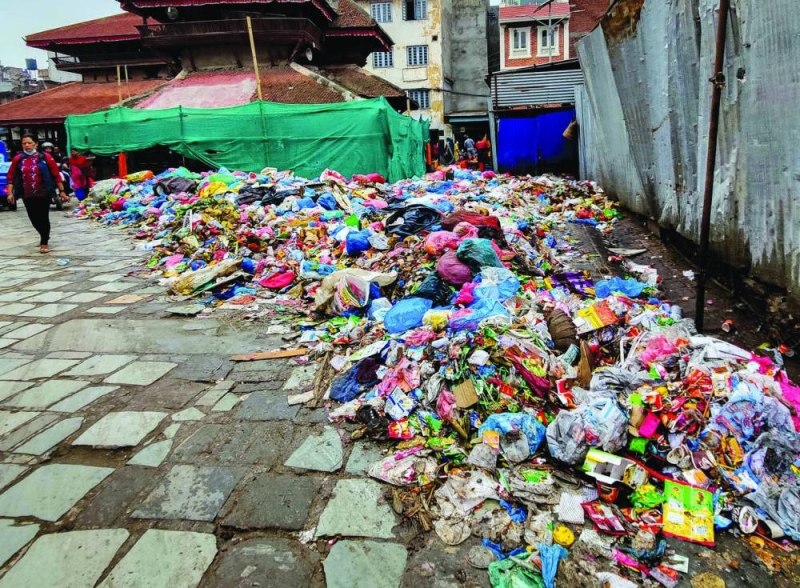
(465, 296)
(657, 349)
(439, 241)
(452, 271)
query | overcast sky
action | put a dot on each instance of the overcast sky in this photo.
(23, 17)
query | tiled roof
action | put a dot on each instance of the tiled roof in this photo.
(53, 106)
(204, 90)
(120, 27)
(534, 11)
(284, 84)
(351, 15)
(361, 82)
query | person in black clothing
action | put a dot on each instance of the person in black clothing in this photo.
(33, 176)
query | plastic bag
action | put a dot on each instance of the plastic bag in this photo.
(357, 242)
(452, 270)
(412, 220)
(508, 574)
(378, 309)
(435, 290)
(470, 318)
(598, 423)
(345, 388)
(406, 314)
(551, 555)
(781, 504)
(496, 283)
(658, 348)
(277, 281)
(325, 293)
(478, 254)
(439, 241)
(508, 423)
(630, 287)
(351, 293)
(473, 218)
(188, 282)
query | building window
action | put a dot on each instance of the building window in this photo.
(415, 9)
(382, 11)
(382, 59)
(520, 43)
(421, 97)
(548, 41)
(417, 55)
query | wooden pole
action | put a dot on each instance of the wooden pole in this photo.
(408, 106)
(255, 59)
(119, 86)
(127, 82)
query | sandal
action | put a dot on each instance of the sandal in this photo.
(44, 249)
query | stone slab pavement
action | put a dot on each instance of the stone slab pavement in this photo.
(134, 453)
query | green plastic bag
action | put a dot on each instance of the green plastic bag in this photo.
(508, 574)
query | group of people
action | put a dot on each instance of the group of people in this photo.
(468, 151)
(34, 176)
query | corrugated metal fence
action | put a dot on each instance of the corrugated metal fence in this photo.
(526, 87)
(644, 120)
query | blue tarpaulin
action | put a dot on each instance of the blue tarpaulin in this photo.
(536, 144)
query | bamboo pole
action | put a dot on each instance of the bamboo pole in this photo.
(127, 81)
(255, 59)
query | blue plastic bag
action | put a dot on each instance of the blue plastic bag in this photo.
(508, 422)
(551, 556)
(406, 314)
(327, 201)
(496, 283)
(629, 287)
(345, 388)
(357, 242)
(469, 318)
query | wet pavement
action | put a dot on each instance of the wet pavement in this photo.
(133, 452)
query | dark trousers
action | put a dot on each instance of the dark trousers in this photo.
(38, 210)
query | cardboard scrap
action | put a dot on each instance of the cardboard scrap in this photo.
(274, 354)
(465, 394)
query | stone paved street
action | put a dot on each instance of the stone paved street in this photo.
(135, 453)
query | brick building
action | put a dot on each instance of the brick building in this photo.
(539, 32)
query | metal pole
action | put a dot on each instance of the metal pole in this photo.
(493, 134)
(255, 59)
(718, 80)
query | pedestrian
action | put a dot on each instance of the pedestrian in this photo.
(33, 176)
(484, 148)
(80, 174)
(469, 147)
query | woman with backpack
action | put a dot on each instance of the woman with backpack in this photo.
(33, 176)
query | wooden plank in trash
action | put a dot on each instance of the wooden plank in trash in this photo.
(274, 354)
(465, 394)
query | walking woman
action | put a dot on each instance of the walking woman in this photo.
(33, 176)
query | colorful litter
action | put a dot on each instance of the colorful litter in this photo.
(544, 412)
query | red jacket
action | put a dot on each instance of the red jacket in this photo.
(33, 184)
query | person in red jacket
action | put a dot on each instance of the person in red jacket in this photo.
(33, 176)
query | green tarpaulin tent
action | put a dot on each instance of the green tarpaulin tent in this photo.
(363, 136)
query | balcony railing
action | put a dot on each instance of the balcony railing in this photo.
(273, 29)
(78, 64)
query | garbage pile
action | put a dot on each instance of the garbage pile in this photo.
(568, 423)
